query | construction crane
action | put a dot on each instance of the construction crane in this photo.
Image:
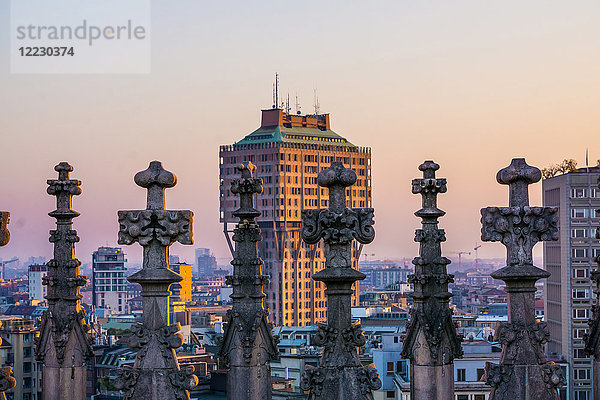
(3, 264)
(460, 253)
(477, 246)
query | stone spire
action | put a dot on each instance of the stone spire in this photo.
(248, 345)
(4, 233)
(592, 340)
(64, 344)
(432, 342)
(155, 374)
(523, 372)
(340, 375)
(6, 380)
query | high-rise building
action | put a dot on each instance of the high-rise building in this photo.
(568, 291)
(37, 291)
(206, 263)
(18, 342)
(182, 291)
(108, 279)
(289, 151)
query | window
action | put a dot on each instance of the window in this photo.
(579, 213)
(581, 293)
(480, 372)
(479, 397)
(579, 252)
(582, 373)
(580, 313)
(395, 339)
(462, 397)
(579, 233)
(461, 375)
(579, 353)
(578, 193)
(390, 369)
(390, 394)
(581, 273)
(582, 395)
(579, 333)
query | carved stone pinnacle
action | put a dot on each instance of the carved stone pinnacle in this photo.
(4, 233)
(340, 374)
(155, 374)
(431, 341)
(64, 344)
(248, 345)
(523, 372)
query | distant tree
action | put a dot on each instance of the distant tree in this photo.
(564, 167)
(598, 162)
(549, 172)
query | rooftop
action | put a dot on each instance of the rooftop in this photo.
(279, 126)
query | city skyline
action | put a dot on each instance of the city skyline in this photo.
(420, 82)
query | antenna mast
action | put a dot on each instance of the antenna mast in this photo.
(316, 103)
(297, 105)
(276, 91)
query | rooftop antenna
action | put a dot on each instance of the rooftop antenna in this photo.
(297, 105)
(276, 91)
(587, 161)
(316, 102)
(287, 104)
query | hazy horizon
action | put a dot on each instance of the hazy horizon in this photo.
(470, 85)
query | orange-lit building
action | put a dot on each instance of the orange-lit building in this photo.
(289, 151)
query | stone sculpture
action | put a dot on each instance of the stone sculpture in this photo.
(155, 374)
(431, 342)
(64, 344)
(523, 372)
(248, 345)
(7, 381)
(340, 375)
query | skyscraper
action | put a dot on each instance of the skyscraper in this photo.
(289, 150)
(108, 279)
(206, 263)
(37, 291)
(568, 293)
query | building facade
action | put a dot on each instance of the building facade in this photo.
(206, 263)
(37, 291)
(289, 151)
(568, 293)
(18, 341)
(109, 280)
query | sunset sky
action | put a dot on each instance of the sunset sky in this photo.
(469, 84)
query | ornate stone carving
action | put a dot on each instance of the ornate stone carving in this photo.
(248, 345)
(6, 380)
(523, 372)
(64, 344)
(4, 233)
(340, 374)
(430, 316)
(155, 374)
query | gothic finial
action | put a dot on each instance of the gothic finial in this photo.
(430, 316)
(4, 233)
(247, 321)
(156, 179)
(337, 178)
(518, 176)
(156, 374)
(520, 227)
(64, 344)
(340, 374)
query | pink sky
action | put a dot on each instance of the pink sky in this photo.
(468, 84)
